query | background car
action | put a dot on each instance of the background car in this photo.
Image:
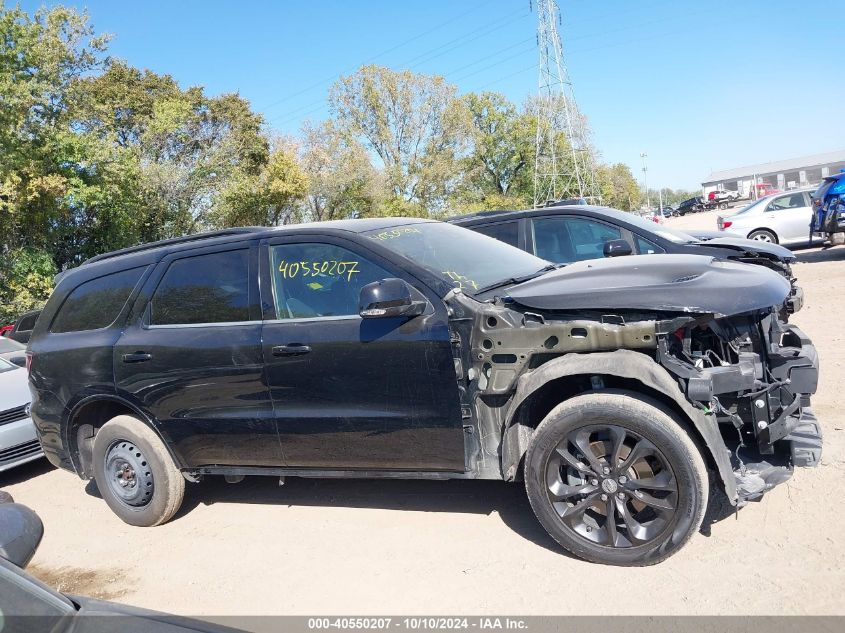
(567, 234)
(18, 441)
(782, 218)
(22, 329)
(690, 205)
(13, 351)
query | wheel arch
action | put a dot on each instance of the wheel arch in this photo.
(558, 380)
(91, 413)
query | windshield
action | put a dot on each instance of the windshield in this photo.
(673, 235)
(468, 260)
(10, 345)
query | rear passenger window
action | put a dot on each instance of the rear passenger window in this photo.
(210, 288)
(95, 304)
(507, 232)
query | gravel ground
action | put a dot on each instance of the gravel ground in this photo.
(418, 547)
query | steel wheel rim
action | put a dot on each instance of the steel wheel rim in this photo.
(611, 486)
(128, 473)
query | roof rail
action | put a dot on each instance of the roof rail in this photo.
(174, 240)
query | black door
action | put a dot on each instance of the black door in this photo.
(192, 359)
(353, 393)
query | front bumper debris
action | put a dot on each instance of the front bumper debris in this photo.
(795, 301)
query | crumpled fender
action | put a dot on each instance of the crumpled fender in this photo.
(623, 364)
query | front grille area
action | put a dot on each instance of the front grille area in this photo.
(20, 451)
(13, 415)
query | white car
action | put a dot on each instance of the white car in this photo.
(18, 442)
(782, 218)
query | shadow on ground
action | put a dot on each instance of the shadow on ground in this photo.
(509, 501)
(816, 255)
(20, 474)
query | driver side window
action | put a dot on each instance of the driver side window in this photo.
(319, 280)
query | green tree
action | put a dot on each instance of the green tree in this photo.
(26, 281)
(411, 122)
(342, 182)
(44, 171)
(274, 196)
(499, 167)
(619, 188)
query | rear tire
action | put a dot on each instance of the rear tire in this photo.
(645, 472)
(762, 235)
(135, 474)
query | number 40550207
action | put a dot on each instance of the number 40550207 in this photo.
(330, 268)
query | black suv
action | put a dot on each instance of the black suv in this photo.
(411, 348)
(568, 233)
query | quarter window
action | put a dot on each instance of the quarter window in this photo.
(564, 240)
(96, 303)
(210, 288)
(319, 280)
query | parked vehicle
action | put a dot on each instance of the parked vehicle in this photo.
(828, 219)
(410, 348)
(6, 328)
(27, 604)
(13, 351)
(690, 205)
(567, 234)
(18, 442)
(782, 218)
(23, 326)
(766, 189)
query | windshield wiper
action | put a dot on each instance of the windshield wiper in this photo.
(517, 280)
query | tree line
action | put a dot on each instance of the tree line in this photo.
(96, 155)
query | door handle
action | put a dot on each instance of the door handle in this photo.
(137, 357)
(294, 349)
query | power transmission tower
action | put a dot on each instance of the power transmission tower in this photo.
(559, 171)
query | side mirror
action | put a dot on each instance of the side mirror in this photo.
(615, 248)
(20, 533)
(386, 298)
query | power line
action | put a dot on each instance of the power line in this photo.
(323, 82)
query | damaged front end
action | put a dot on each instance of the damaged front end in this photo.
(755, 374)
(704, 335)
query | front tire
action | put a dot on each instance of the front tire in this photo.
(135, 474)
(622, 456)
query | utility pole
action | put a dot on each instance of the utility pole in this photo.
(558, 171)
(643, 155)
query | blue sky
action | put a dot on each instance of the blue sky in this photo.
(698, 85)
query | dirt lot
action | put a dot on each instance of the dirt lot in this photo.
(364, 547)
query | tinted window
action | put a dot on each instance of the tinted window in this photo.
(319, 280)
(27, 323)
(210, 288)
(95, 304)
(507, 232)
(564, 240)
(644, 247)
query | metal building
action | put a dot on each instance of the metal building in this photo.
(779, 175)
